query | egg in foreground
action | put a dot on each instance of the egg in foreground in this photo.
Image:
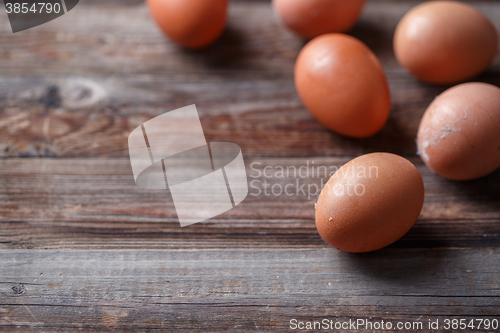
(369, 203)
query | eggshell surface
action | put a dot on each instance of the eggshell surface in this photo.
(459, 134)
(369, 203)
(190, 23)
(311, 18)
(445, 42)
(343, 85)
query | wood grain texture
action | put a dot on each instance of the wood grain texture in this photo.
(243, 290)
(94, 203)
(83, 248)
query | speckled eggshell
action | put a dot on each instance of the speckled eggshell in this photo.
(459, 134)
(369, 203)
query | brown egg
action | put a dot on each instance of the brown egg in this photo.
(445, 42)
(343, 85)
(459, 135)
(369, 203)
(311, 18)
(191, 23)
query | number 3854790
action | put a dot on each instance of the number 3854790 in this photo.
(35, 8)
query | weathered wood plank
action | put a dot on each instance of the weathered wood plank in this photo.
(244, 290)
(265, 118)
(224, 234)
(94, 203)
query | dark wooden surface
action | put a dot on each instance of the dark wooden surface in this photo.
(82, 247)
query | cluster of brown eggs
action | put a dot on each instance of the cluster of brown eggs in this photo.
(342, 83)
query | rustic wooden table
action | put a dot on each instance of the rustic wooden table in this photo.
(82, 247)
